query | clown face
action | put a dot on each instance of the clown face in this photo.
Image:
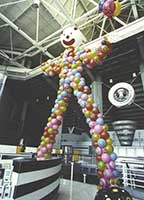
(71, 37)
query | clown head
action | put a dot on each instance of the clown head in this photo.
(72, 37)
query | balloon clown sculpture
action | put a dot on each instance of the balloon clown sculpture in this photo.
(69, 66)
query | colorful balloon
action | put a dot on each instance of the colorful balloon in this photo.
(101, 143)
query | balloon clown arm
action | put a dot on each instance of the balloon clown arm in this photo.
(51, 67)
(92, 57)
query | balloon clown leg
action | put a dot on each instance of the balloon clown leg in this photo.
(54, 121)
(101, 140)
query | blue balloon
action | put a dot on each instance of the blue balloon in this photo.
(88, 120)
(116, 173)
(113, 156)
(64, 94)
(83, 104)
(100, 7)
(82, 83)
(67, 80)
(100, 121)
(77, 75)
(53, 109)
(74, 71)
(59, 97)
(101, 143)
(79, 94)
(62, 80)
(76, 92)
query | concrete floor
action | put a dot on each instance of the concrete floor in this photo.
(76, 191)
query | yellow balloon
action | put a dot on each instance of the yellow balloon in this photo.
(95, 137)
(90, 100)
(105, 127)
(76, 80)
(63, 108)
(87, 113)
(117, 8)
(109, 141)
(75, 86)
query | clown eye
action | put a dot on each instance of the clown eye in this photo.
(75, 28)
(62, 32)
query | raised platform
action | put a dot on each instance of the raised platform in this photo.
(31, 179)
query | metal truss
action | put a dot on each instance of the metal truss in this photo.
(114, 36)
(132, 10)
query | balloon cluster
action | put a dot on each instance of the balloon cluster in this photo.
(69, 67)
(110, 8)
(113, 193)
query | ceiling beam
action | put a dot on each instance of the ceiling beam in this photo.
(57, 33)
(115, 36)
(11, 3)
(37, 24)
(74, 5)
(134, 9)
(17, 29)
(49, 6)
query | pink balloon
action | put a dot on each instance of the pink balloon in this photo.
(99, 151)
(59, 117)
(98, 128)
(92, 131)
(70, 59)
(39, 153)
(44, 149)
(56, 105)
(49, 146)
(103, 182)
(84, 96)
(49, 125)
(54, 121)
(100, 115)
(80, 69)
(51, 73)
(84, 110)
(106, 157)
(77, 58)
(111, 165)
(55, 126)
(108, 8)
(108, 173)
(92, 124)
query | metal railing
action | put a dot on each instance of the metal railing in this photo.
(132, 170)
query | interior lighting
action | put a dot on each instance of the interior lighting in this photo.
(111, 80)
(134, 74)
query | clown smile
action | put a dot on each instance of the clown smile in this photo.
(68, 43)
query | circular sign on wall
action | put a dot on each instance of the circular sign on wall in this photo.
(121, 94)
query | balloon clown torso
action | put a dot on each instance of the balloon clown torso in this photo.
(69, 67)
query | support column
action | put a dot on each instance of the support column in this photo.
(140, 41)
(23, 117)
(142, 72)
(97, 92)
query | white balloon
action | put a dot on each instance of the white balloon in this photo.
(72, 37)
